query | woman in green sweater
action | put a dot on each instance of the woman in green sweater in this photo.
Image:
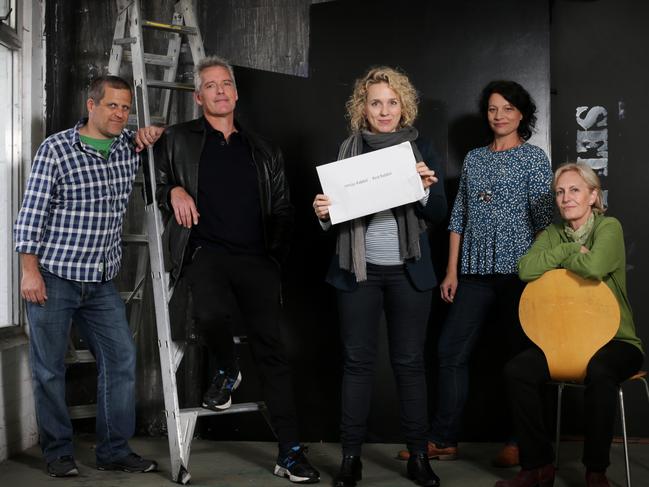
(592, 246)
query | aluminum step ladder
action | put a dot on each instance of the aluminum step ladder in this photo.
(128, 34)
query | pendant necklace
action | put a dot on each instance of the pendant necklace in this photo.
(487, 194)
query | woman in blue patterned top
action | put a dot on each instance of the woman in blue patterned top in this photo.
(504, 199)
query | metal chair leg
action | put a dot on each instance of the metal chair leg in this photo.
(557, 441)
(626, 445)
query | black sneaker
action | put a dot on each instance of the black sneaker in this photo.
(296, 467)
(130, 463)
(219, 395)
(63, 467)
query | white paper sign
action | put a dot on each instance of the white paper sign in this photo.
(372, 182)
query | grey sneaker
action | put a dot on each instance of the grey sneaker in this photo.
(131, 463)
(63, 467)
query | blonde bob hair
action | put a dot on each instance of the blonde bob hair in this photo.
(590, 178)
(397, 81)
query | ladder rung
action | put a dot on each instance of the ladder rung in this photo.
(176, 29)
(244, 407)
(170, 85)
(155, 120)
(130, 295)
(125, 40)
(80, 357)
(156, 59)
(134, 238)
(83, 411)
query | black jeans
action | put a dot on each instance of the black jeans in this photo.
(528, 372)
(225, 286)
(406, 311)
(475, 296)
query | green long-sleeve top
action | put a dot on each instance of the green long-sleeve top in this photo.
(604, 261)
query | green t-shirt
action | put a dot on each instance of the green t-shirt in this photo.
(100, 145)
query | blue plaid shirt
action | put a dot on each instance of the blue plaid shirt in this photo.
(74, 206)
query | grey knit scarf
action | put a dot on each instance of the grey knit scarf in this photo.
(350, 246)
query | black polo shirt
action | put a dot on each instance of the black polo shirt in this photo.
(228, 196)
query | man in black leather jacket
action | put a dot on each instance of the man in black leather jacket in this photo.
(225, 195)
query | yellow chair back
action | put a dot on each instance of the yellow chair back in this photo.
(569, 318)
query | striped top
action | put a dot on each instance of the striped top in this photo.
(382, 237)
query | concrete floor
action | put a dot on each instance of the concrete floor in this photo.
(236, 464)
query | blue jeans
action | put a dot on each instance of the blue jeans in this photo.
(387, 289)
(476, 296)
(99, 314)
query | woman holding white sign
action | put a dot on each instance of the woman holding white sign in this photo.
(383, 264)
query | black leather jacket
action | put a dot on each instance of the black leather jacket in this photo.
(177, 155)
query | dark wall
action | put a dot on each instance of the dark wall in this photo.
(306, 118)
(595, 51)
(260, 34)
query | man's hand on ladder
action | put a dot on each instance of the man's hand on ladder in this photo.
(147, 136)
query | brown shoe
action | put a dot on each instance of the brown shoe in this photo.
(507, 457)
(538, 477)
(596, 479)
(442, 454)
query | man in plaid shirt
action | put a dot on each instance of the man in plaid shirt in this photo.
(68, 234)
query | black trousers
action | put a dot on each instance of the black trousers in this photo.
(476, 296)
(226, 286)
(388, 289)
(526, 375)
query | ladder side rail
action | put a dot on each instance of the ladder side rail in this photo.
(173, 53)
(139, 76)
(170, 352)
(186, 8)
(117, 50)
(195, 41)
(167, 347)
(136, 297)
(139, 68)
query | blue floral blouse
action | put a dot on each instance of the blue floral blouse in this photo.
(504, 199)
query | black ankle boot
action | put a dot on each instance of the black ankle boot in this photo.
(351, 471)
(419, 471)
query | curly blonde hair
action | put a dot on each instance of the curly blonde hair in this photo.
(397, 81)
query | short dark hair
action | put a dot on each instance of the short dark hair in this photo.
(517, 96)
(98, 85)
